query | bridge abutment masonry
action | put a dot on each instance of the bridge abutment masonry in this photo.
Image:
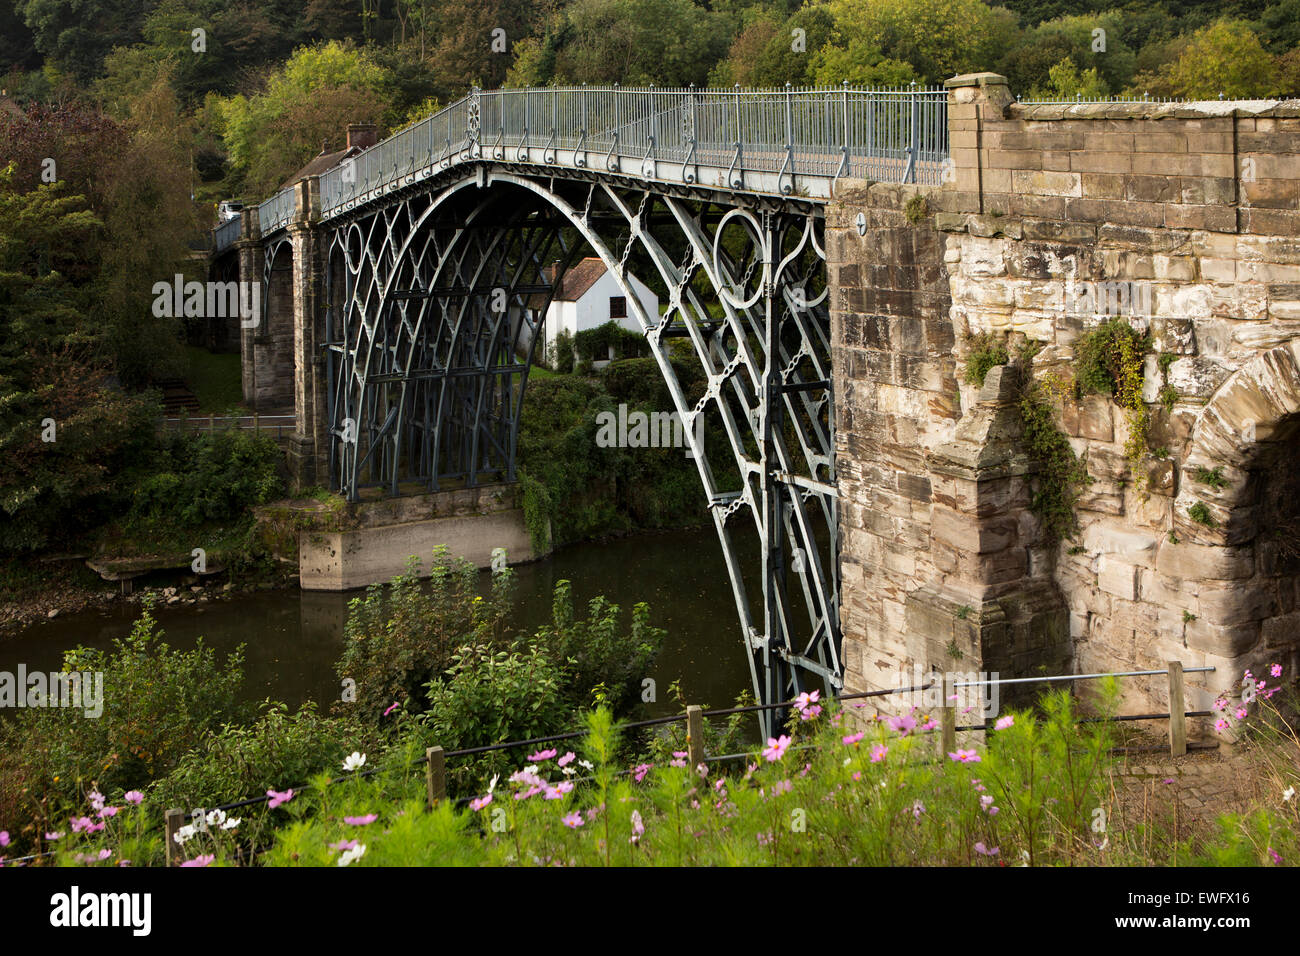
(1194, 208)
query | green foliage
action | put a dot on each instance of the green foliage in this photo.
(239, 761)
(985, 351)
(936, 38)
(156, 701)
(1061, 473)
(916, 209)
(598, 652)
(1188, 617)
(199, 478)
(1201, 515)
(1109, 361)
(1224, 58)
(401, 635)
(580, 489)
(595, 344)
(1210, 476)
(561, 357)
(1168, 397)
(318, 91)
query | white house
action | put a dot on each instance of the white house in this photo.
(589, 296)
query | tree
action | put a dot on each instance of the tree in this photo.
(321, 89)
(1064, 81)
(63, 434)
(638, 42)
(769, 53)
(939, 38)
(76, 35)
(1224, 58)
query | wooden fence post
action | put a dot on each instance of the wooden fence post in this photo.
(948, 716)
(257, 425)
(695, 735)
(435, 775)
(1177, 711)
(175, 817)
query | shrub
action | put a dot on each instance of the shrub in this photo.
(401, 635)
(986, 351)
(156, 702)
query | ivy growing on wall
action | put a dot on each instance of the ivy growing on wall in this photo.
(1109, 361)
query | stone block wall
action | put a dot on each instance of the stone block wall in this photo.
(1187, 219)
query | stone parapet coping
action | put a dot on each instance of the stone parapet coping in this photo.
(1205, 110)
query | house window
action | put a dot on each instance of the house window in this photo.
(617, 307)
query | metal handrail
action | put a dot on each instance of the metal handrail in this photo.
(887, 135)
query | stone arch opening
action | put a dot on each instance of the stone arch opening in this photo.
(269, 388)
(1237, 525)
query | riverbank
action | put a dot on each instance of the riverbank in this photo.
(50, 590)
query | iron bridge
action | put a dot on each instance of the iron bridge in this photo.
(442, 246)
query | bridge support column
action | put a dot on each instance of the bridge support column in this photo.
(307, 445)
(943, 565)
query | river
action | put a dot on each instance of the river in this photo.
(293, 637)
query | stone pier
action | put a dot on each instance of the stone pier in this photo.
(1191, 552)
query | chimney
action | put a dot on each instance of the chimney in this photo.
(362, 135)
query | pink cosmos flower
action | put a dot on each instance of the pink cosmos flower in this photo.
(878, 753)
(641, 769)
(343, 845)
(530, 792)
(96, 800)
(564, 786)
(918, 808)
(1275, 670)
(478, 803)
(852, 739)
(857, 775)
(1220, 725)
(1221, 703)
(638, 827)
(964, 756)
(572, 820)
(1274, 855)
(567, 759)
(366, 820)
(903, 725)
(1241, 713)
(776, 748)
(278, 798)
(4, 837)
(391, 707)
(982, 850)
(542, 755)
(781, 786)
(977, 784)
(107, 812)
(204, 860)
(134, 797)
(56, 835)
(1005, 722)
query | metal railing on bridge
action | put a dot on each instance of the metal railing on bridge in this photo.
(886, 135)
(891, 135)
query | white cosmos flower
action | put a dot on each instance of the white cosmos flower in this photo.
(354, 761)
(184, 833)
(492, 784)
(230, 824)
(356, 853)
(1288, 794)
(216, 818)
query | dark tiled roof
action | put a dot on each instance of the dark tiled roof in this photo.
(319, 164)
(574, 284)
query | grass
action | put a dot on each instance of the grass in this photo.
(215, 379)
